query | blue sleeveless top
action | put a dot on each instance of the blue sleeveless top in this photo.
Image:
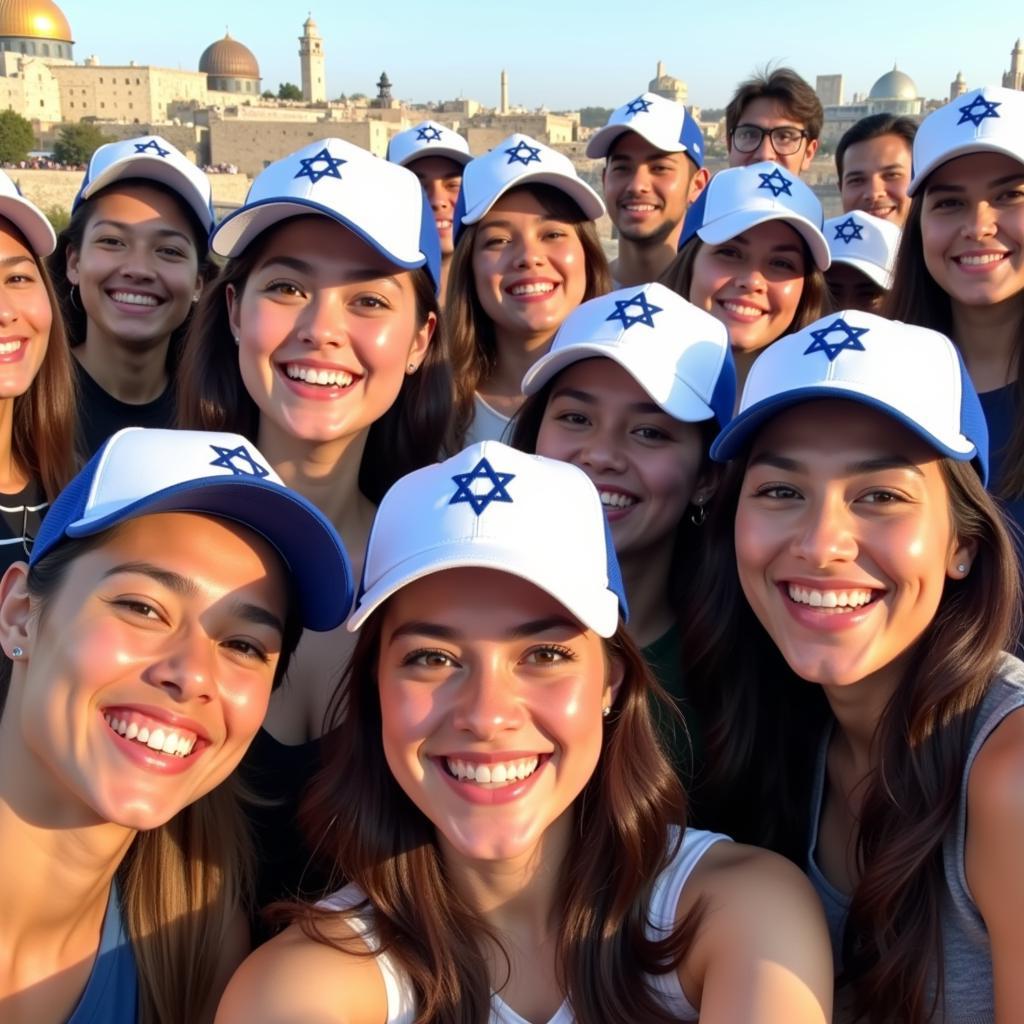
(111, 995)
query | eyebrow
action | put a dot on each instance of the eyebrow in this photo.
(352, 277)
(438, 632)
(120, 225)
(873, 465)
(995, 183)
(588, 399)
(10, 261)
(863, 170)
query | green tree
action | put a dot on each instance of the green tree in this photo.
(289, 91)
(58, 216)
(16, 137)
(77, 143)
(267, 95)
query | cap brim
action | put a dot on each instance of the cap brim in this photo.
(602, 141)
(31, 222)
(739, 433)
(733, 224)
(585, 197)
(155, 169)
(974, 146)
(879, 275)
(309, 547)
(457, 155)
(601, 614)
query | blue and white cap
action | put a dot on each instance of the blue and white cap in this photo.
(739, 198)
(428, 138)
(26, 217)
(519, 160)
(911, 373)
(380, 202)
(141, 472)
(153, 158)
(666, 125)
(493, 507)
(679, 354)
(983, 120)
(865, 242)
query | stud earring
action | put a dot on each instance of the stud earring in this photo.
(605, 712)
(16, 652)
(962, 569)
(411, 368)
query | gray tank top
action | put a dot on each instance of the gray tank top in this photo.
(968, 995)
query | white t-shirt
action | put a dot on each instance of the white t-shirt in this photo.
(488, 424)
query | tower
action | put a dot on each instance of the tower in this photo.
(311, 58)
(957, 87)
(1014, 78)
(503, 109)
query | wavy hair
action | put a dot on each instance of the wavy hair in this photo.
(377, 838)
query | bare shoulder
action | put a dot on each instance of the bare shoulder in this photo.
(996, 785)
(294, 979)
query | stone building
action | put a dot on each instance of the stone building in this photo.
(230, 67)
(311, 62)
(35, 28)
(1014, 78)
(893, 93)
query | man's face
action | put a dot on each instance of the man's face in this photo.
(767, 115)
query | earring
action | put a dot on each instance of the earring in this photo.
(195, 298)
(605, 712)
(699, 514)
(411, 368)
(72, 300)
(962, 569)
(16, 652)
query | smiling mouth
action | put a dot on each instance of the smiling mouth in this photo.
(741, 309)
(318, 377)
(981, 259)
(161, 738)
(134, 298)
(616, 500)
(837, 601)
(501, 773)
(9, 347)
(540, 288)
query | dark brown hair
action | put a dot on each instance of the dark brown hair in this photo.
(787, 88)
(378, 839)
(872, 127)
(471, 340)
(212, 396)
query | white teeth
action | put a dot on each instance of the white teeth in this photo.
(143, 736)
(323, 378)
(981, 260)
(131, 732)
(7, 347)
(613, 499)
(640, 207)
(736, 307)
(134, 299)
(156, 740)
(500, 774)
(166, 742)
(847, 599)
(541, 288)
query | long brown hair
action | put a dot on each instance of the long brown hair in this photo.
(378, 839)
(765, 725)
(916, 298)
(471, 341)
(212, 396)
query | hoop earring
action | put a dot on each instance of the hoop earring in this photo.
(699, 514)
(72, 301)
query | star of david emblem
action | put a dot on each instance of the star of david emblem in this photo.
(523, 154)
(977, 110)
(464, 492)
(428, 133)
(145, 147)
(848, 230)
(314, 173)
(645, 316)
(850, 339)
(776, 181)
(638, 106)
(226, 456)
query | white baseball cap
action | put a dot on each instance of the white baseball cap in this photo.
(866, 242)
(739, 198)
(983, 120)
(679, 354)
(519, 160)
(379, 201)
(26, 217)
(911, 373)
(494, 507)
(154, 158)
(139, 472)
(666, 125)
(428, 138)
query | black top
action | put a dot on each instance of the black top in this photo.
(20, 516)
(100, 414)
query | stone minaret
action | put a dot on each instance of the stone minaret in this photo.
(311, 57)
(957, 87)
(1014, 78)
(503, 109)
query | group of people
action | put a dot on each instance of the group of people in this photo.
(410, 616)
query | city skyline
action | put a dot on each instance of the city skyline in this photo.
(931, 43)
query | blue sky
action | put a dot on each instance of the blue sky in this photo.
(568, 53)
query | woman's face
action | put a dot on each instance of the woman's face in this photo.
(327, 330)
(644, 463)
(25, 314)
(529, 267)
(137, 271)
(752, 283)
(148, 672)
(844, 539)
(491, 696)
(972, 228)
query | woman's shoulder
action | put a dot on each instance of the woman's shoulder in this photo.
(297, 977)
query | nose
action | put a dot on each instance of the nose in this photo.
(322, 323)
(982, 221)
(751, 279)
(765, 151)
(527, 252)
(487, 703)
(825, 533)
(601, 453)
(137, 264)
(438, 196)
(185, 669)
(640, 182)
(8, 309)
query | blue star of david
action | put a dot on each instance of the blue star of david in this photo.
(848, 230)
(428, 134)
(143, 147)
(516, 154)
(645, 316)
(225, 457)
(977, 110)
(776, 181)
(478, 502)
(638, 106)
(850, 339)
(323, 157)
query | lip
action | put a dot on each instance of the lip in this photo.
(315, 392)
(474, 794)
(738, 317)
(612, 513)
(153, 760)
(19, 353)
(131, 308)
(980, 268)
(624, 207)
(171, 718)
(828, 620)
(884, 212)
(443, 223)
(539, 297)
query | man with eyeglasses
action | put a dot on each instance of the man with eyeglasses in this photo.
(775, 115)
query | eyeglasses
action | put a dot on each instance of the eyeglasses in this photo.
(785, 139)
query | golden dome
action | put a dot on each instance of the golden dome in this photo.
(228, 58)
(34, 19)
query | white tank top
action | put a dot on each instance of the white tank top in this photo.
(661, 919)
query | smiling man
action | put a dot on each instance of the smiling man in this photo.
(654, 169)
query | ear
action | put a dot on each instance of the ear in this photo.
(15, 610)
(71, 264)
(234, 301)
(613, 682)
(698, 183)
(812, 148)
(707, 483)
(421, 341)
(197, 292)
(963, 554)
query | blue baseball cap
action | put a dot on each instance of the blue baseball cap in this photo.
(379, 201)
(141, 472)
(913, 374)
(666, 125)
